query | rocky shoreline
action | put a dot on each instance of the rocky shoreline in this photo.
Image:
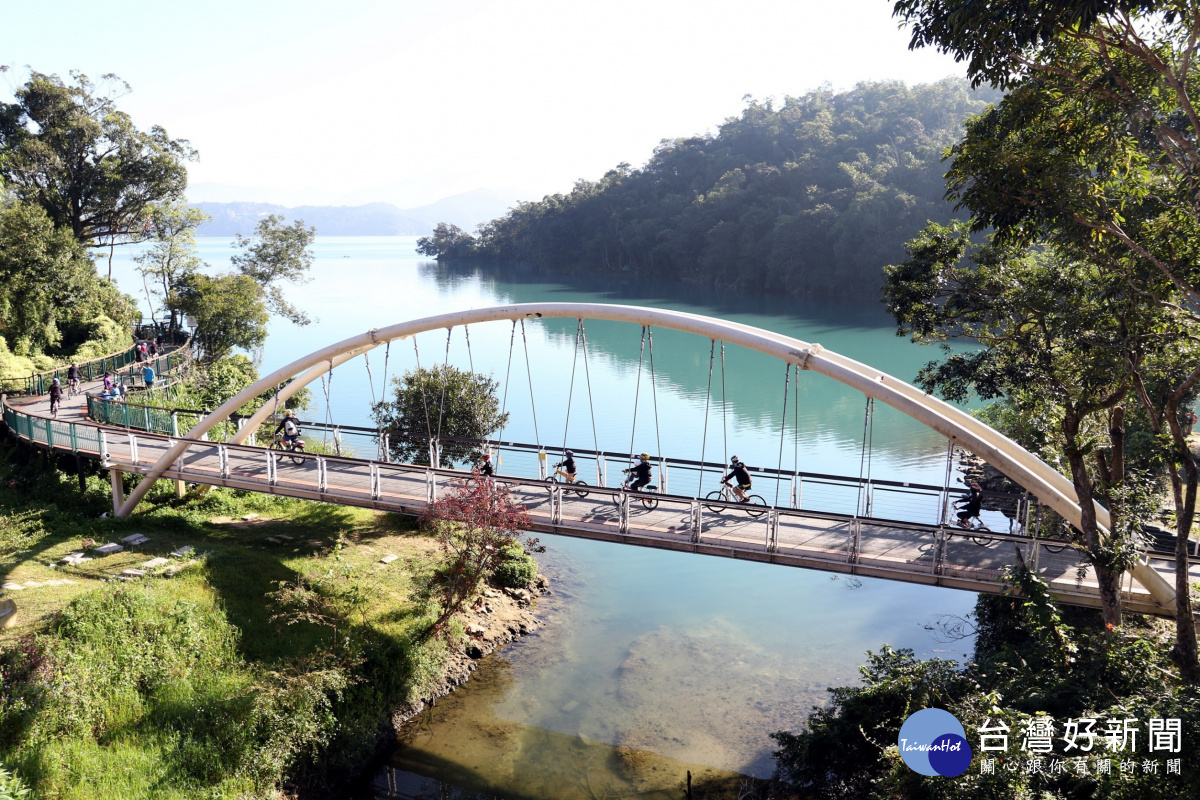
(498, 617)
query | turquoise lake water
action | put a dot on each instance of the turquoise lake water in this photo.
(683, 660)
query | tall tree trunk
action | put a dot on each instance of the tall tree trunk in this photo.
(1185, 653)
(1110, 581)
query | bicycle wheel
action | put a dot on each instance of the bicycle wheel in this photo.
(650, 503)
(757, 506)
(297, 455)
(580, 489)
(715, 495)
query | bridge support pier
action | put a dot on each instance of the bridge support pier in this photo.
(118, 489)
(180, 490)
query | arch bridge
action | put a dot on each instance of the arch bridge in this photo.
(928, 551)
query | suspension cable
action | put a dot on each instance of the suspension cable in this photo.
(529, 374)
(507, 374)
(724, 425)
(370, 377)
(787, 380)
(712, 349)
(654, 397)
(863, 458)
(587, 375)
(796, 422)
(327, 385)
(636, 392)
(571, 385)
(470, 358)
(442, 401)
(421, 386)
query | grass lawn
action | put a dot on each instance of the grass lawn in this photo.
(187, 682)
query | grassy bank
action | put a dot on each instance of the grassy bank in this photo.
(248, 666)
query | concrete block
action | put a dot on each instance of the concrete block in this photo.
(389, 558)
(108, 549)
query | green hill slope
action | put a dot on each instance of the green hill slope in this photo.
(810, 198)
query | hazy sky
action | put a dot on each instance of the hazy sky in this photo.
(306, 101)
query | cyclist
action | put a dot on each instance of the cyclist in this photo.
(73, 378)
(568, 466)
(973, 504)
(639, 474)
(290, 428)
(485, 466)
(55, 397)
(738, 470)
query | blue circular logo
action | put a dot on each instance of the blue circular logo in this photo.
(933, 742)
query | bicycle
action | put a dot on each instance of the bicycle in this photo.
(72, 387)
(975, 524)
(569, 484)
(649, 503)
(725, 494)
(54, 404)
(294, 449)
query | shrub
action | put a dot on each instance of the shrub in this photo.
(516, 568)
(104, 336)
(12, 787)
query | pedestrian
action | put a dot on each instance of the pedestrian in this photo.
(108, 381)
(148, 376)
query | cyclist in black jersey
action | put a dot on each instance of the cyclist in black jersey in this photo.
(738, 472)
(640, 474)
(567, 466)
(972, 505)
(485, 466)
(73, 377)
(55, 397)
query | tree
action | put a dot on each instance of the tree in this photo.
(476, 523)
(459, 406)
(1113, 82)
(1094, 149)
(448, 241)
(67, 148)
(50, 295)
(229, 310)
(172, 256)
(277, 253)
(1058, 336)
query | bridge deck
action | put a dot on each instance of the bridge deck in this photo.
(893, 550)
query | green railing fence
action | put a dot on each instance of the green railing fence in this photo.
(39, 383)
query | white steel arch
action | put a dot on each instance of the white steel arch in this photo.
(1048, 485)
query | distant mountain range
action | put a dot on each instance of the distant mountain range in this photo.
(372, 219)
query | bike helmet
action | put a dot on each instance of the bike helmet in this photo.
(734, 460)
(975, 485)
(644, 456)
(568, 454)
(289, 413)
(487, 456)
(56, 380)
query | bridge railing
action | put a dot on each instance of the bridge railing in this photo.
(39, 382)
(806, 536)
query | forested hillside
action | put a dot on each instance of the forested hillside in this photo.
(809, 198)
